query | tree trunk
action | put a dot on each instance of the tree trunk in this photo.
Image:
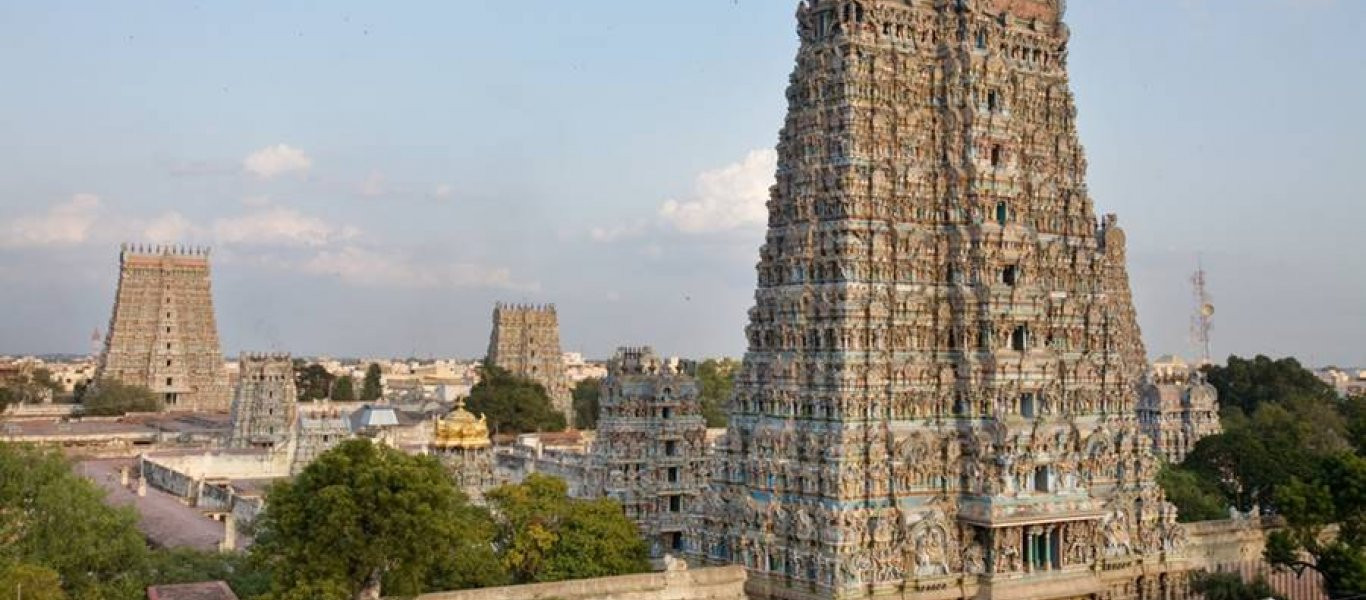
(371, 590)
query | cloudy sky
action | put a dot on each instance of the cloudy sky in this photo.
(373, 177)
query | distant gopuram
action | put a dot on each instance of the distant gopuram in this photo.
(526, 342)
(938, 398)
(162, 333)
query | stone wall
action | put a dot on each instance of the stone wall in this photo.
(717, 583)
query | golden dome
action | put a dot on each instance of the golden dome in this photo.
(461, 429)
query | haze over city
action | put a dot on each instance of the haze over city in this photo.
(372, 179)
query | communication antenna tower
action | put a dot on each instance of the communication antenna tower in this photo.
(1203, 319)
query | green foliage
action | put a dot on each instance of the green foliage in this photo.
(513, 404)
(113, 398)
(373, 386)
(1310, 508)
(30, 387)
(37, 583)
(1196, 499)
(312, 381)
(548, 536)
(1354, 411)
(6, 398)
(586, 403)
(1249, 383)
(53, 519)
(245, 576)
(1230, 586)
(716, 379)
(344, 389)
(364, 517)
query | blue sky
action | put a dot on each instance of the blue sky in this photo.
(373, 177)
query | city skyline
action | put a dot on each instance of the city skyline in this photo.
(364, 199)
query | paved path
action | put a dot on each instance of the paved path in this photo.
(163, 518)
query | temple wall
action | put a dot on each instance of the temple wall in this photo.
(716, 583)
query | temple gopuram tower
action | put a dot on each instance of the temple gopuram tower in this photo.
(938, 398)
(526, 342)
(650, 453)
(162, 334)
(263, 410)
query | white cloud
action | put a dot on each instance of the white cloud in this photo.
(256, 201)
(67, 224)
(373, 185)
(276, 160)
(618, 232)
(363, 267)
(732, 197)
(279, 226)
(168, 228)
(443, 191)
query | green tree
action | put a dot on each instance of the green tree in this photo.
(1196, 499)
(513, 404)
(32, 386)
(52, 518)
(365, 518)
(111, 397)
(716, 379)
(1309, 509)
(586, 403)
(246, 577)
(344, 390)
(36, 583)
(1230, 586)
(373, 386)
(1249, 383)
(548, 536)
(6, 399)
(312, 380)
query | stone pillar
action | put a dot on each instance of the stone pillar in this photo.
(1047, 539)
(1028, 551)
(123, 476)
(229, 542)
(142, 487)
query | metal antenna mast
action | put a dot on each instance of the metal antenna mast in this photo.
(1203, 319)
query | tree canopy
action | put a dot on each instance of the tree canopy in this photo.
(715, 380)
(312, 381)
(344, 389)
(53, 521)
(29, 386)
(547, 536)
(586, 403)
(1290, 447)
(112, 398)
(373, 385)
(513, 404)
(365, 518)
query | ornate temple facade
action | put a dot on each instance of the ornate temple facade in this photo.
(263, 409)
(461, 442)
(1177, 408)
(162, 333)
(938, 398)
(526, 342)
(650, 453)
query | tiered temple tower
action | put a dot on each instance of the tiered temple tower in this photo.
(938, 397)
(526, 342)
(1177, 408)
(650, 453)
(162, 334)
(461, 442)
(263, 411)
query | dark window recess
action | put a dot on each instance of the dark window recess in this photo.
(1010, 275)
(1002, 212)
(1019, 339)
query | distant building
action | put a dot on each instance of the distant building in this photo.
(526, 342)
(1346, 382)
(1177, 408)
(162, 333)
(651, 448)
